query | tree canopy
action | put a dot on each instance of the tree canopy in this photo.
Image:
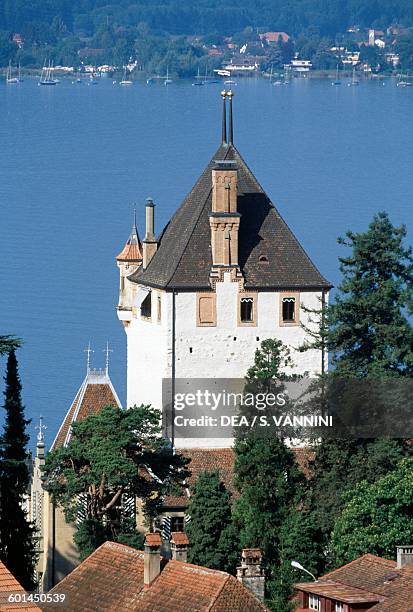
(111, 456)
(377, 516)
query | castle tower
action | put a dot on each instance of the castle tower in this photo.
(60, 554)
(36, 499)
(128, 261)
(225, 273)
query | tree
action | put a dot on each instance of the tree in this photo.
(370, 335)
(8, 343)
(370, 330)
(210, 512)
(17, 550)
(267, 476)
(110, 456)
(377, 517)
(300, 540)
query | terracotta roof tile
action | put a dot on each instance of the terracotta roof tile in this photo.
(95, 393)
(153, 539)
(111, 579)
(9, 585)
(180, 538)
(222, 459)
(372, 576)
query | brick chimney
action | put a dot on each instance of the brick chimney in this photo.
(250, 572)
(149, 244)
(404, 556)
(224, 219)
(179, 546)
(152, 558)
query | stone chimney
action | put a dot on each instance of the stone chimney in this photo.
(179, 546)
(404, 556)
(224, 218)
(152, 558)
(149, 244)
(250, 572)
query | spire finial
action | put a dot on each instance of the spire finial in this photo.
(41, 428)
(224, 116)
(134, 216)
(230, 95)
(107, 350)
(88, 350)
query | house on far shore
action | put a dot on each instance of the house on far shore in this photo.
(117, 577)
(367, 583)
(272, 38)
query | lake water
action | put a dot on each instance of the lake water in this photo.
(74, 158)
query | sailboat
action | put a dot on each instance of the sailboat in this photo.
(337, 81)
(198, 82)
(46, 76)
(167, 81)
(354, 82)
(125, 81)
(11, 80)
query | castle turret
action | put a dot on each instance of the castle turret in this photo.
(128, 261)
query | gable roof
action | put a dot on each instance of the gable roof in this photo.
(8, 586)
(112, 579)
(183, 259)
(368, 578)
(95, 392)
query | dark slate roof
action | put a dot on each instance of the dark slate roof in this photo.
(183, 259)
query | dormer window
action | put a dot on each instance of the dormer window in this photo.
(146, 307)
(247, 310)
(263, 259)
(289, 309)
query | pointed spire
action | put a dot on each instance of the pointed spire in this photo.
(230, 95)
(40, 434)
(88, 350)
(224, 116)
(132, 250)
(107, 350)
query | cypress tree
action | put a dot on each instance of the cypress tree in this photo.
(212, 541)
(17, 550)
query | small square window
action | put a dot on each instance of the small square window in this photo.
(339, 606)
(247, 309)
(177, 523)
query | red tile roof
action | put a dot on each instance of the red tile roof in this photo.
(95, 393)
(111, 579)
(180, 538)
(275, 36)
(371, 575)
(153, 539)
(340, 592)
(9, 586)
(222, 459)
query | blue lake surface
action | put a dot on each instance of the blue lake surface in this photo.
(74, 159)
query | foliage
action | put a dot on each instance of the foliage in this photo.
(370, 330)
(377, 517)
(17, 550)
(9, 343)
(337, 467)
(211, 543)
(110, 455)
(269, 481)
